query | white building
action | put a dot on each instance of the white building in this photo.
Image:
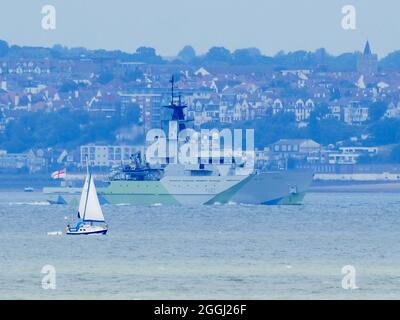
(361, 150)
(355, 114)
(107, 156)
(350, 155)
(393, 111)
(343, 158)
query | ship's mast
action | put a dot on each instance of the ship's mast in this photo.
(178, 114)
(172, 81)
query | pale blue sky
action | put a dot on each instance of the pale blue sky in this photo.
(168, 25)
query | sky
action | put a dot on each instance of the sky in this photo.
(168, 25)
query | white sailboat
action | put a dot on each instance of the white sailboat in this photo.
(90, 214)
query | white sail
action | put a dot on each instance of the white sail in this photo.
(82, 202)
(93, 210)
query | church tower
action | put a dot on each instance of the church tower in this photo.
(368, 62)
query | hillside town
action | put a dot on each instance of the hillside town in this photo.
(217, 95)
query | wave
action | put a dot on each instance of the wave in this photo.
(54, 233)
(34, 203)
(157, 205)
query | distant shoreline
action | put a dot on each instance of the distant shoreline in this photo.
(355, 186)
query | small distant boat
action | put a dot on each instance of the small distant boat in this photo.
(29, 189)
(60, 201)
(90, 213)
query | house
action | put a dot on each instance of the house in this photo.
(354, 113)
(277, 106)
(393, 111)
(303, 109)
(225, 113)
(36, 160)
(12, 161)
(296, 146)
(202, 72)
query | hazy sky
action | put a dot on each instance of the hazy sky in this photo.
(168, 25)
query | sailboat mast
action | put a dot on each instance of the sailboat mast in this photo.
(87, 196)
(172, 90)
(87, 165)
(88, 189)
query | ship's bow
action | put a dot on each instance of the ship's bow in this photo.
(274, 188)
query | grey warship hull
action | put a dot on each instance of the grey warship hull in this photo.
(270, 188)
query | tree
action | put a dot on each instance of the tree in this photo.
(395, 154)
(132, 75)
(65, 129)
(279, 126)
(344, 62)
(3, 48)
(218, 54)
(385, 131)
(68, 86)
(335, 94)
(147, 54)
(247, 56)
(106, 77)
(187, 54)
(391, 61)
(320, 111)
(377, 110)
(330, 131)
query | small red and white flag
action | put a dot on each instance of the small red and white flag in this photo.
(60, 174)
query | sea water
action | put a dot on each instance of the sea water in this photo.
(204, 252)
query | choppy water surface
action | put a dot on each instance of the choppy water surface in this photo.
(224, 252)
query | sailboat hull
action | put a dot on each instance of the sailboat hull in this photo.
(86, 230)
(86, 233)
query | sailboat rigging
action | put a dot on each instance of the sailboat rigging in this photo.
(89, 211)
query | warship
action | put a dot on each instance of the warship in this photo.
(210, 183)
